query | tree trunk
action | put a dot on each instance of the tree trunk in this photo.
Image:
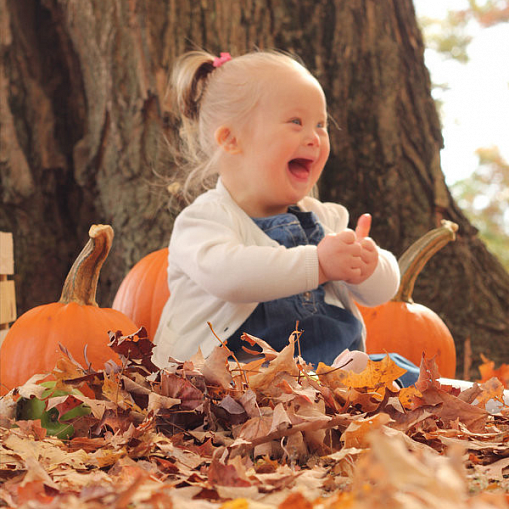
(83, 112)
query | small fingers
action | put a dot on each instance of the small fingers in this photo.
(347, 236)
(363, 226)
(368, 244)
(352, 275)
(369, 251)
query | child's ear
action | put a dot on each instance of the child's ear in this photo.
(227, 140)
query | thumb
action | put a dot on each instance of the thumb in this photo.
(363, 226)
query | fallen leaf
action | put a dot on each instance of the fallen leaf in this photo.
(487, 370)
(226, 475)
(135, 347)
(356, 434)
(215, 368)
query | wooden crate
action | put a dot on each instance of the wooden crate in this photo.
(7, 290)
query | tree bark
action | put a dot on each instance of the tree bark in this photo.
(83, 113)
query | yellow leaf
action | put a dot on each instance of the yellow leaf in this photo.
(239, 503)
(377, 376)
(356, 435)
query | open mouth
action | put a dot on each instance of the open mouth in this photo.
(300, 167)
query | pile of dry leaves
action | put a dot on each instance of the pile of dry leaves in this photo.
(271, 433)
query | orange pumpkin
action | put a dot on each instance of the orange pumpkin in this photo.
(144, 291)
(407, 328)
(32, 344)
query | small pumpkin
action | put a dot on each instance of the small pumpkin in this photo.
(405, 327)
(32, 344)
(144, 291)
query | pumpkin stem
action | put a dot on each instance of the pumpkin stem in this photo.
(80, 285)
(413, 260)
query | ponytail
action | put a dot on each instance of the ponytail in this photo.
(188, 82)
(193, 171)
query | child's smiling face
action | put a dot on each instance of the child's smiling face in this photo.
(283, 147)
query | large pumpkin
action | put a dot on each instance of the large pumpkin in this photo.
(407, 328)
(144, 291)
(32, 344)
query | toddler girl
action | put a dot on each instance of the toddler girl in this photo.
(257, 253)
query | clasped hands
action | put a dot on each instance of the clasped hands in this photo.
(349, 256)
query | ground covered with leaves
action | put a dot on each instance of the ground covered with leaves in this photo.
(271, 433)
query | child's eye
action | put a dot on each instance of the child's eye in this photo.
(296, 121)
(322, 125)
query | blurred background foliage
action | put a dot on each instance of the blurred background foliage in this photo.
(483, 195)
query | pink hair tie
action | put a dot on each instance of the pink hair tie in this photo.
(220, 60)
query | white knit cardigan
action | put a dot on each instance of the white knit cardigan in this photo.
(221, 265)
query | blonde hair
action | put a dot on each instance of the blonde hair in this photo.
(205, 97)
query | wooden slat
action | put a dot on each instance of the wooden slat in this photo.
(3, 333)
(7, 290)
(7, 302)
(6, 254)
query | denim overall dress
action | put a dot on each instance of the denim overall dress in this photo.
(327, 329)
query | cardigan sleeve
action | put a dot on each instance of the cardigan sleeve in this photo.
(211, 249)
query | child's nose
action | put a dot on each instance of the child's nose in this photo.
(312, 138)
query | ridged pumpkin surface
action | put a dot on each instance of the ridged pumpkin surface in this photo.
(32, 344)
(144, 291)
(410, 329)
